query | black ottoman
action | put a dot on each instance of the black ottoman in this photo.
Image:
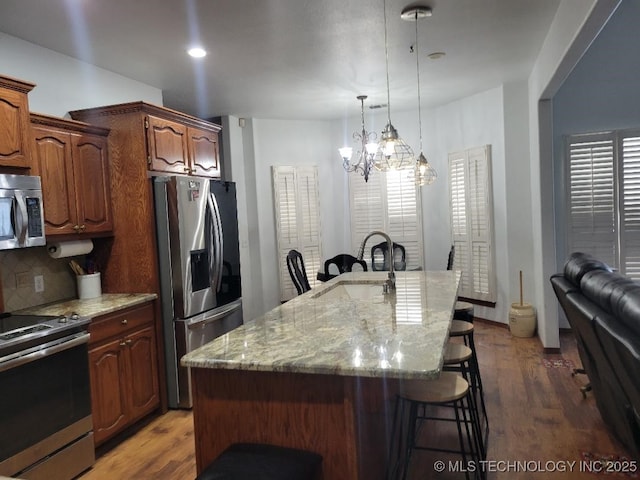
(253, 461)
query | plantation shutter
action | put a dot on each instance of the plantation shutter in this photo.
(472, 221)
(389, 202)
(403, 222)
(591, 200)
(297, 208)
(630, 205)
(367, 206)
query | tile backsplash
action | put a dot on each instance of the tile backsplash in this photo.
(18, 269)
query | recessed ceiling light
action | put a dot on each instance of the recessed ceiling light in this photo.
(197, 52)
(436, 55)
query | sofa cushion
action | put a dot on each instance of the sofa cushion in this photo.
(605, 288)
(627, 307)
(580, 263)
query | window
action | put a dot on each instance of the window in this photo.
(297, 208)
(472, 222)
(389, 202)
(603, 198)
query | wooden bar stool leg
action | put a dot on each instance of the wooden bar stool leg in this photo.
(476, 383)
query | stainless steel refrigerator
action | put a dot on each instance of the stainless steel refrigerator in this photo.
(199, 258)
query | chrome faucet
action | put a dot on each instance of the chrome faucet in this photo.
(390, 284)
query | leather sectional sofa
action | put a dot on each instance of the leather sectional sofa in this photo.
(603, 309)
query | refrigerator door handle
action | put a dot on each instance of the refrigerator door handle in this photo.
(215, 237)
(211, 243)
(201, 322)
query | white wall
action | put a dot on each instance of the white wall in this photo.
(64, 84)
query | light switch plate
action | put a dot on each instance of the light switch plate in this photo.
(38, 281)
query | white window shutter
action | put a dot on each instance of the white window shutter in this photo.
(404, 225)
(297, 208)
(630, 205)
(389, 202)
(472, 221)
(593, 226)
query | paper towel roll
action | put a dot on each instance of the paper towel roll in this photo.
(71, 248)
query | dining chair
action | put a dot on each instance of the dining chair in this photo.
(295, 265)
(452, 254)
(344, 263)
(380, 250)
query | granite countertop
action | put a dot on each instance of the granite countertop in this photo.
(346, 327)
(93, 307)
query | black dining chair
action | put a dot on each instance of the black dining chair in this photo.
(380, 250)
(344, 263)
(295, 264)
(452, 254)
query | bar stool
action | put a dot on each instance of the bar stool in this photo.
(464, 329)
(463, 311)
(457, 358)
(242, 461)
(448, 390)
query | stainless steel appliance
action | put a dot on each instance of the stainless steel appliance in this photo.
(21, 215)
(197, 232)
(45, 404)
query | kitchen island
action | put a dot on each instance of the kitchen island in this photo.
(320, 372)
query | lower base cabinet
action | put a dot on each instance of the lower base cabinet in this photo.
(123, 369)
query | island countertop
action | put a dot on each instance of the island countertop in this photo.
(346, 327)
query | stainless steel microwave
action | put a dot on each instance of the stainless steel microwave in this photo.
(21, 213)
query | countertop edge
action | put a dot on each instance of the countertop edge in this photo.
(93, 307)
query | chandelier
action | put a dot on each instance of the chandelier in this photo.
(363, 160)
(425, 174)
(393, 153)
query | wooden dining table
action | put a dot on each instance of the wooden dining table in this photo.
(320, 372)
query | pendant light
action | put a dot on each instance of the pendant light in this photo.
(363, 161)
(425, 174)
(393, 152)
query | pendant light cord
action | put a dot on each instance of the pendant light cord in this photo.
(386, 59)
(418, 74)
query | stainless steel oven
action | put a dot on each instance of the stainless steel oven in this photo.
(45, 400)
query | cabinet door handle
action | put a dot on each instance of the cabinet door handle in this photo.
(123, 343)
(187, 169)
(124, 321)
(76, 227)
(82, 227)
(128, 341)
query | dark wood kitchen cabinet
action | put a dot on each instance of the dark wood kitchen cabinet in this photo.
(145, 140)
(180, 149)
(72, 161)
(123, 369)
(15, 144)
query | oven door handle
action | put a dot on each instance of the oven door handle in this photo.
(42, 351)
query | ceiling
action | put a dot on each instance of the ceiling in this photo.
(293, 59)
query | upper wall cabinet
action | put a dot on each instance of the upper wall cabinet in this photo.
(181, 149)
(176, 143)
(14, 123)
(71, 159)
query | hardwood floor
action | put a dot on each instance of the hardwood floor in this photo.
(537, 413)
